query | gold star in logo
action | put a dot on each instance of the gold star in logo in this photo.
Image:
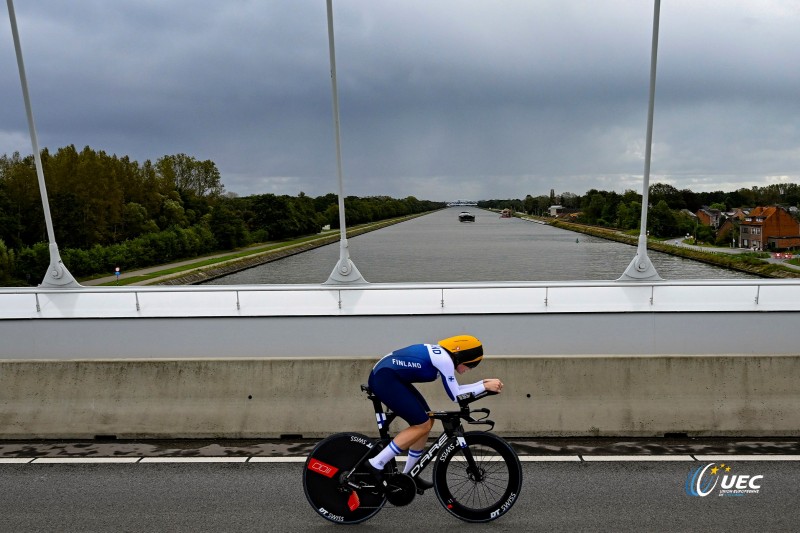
(714, 471)
(728, 469)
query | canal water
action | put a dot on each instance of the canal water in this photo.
(438, 248)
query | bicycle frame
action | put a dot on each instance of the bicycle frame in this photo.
(452, 435)
(342, 488)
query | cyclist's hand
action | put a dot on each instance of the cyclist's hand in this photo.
(493, 384)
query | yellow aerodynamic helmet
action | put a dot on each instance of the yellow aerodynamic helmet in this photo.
(464, 349)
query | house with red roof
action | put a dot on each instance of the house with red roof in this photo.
(769, 228)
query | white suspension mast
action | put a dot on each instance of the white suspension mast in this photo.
(57, 275)
(641, 268)
(344, 271)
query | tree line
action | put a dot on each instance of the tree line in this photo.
(111, 211)
(668, 211)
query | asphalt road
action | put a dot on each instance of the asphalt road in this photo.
(232, 497)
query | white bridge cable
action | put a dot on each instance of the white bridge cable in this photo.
(344, 271)
(641, 268)
(57, 275)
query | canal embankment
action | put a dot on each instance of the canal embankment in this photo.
(737, 262)
(192, 272)
(202, 270)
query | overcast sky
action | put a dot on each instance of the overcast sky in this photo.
(438, 99)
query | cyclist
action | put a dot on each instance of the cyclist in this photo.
(392, 381)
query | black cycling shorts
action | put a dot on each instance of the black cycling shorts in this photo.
(401, 397)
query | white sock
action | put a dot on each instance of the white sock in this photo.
(413, 458)
(386, 455)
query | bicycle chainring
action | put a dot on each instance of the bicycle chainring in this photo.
(400, 489)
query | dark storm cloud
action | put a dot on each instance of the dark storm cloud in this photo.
(438, 99)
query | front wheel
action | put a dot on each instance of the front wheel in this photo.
(326, 464)
(483, 494)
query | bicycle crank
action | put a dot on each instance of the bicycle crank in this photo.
(400, 489)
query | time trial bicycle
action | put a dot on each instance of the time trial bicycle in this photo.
(477, 475)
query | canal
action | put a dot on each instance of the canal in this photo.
(438, 248)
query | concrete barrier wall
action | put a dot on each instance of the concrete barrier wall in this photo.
(544, 396)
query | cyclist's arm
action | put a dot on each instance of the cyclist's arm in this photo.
(444, 364)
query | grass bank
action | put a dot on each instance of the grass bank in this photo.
(739, 262)
(203, 269)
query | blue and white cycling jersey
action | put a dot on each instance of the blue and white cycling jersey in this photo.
(422, 363)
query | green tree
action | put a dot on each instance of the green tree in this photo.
(629, 215)
(135, 221)
(706, 234)
(667, 193)
(228, 227)
(592, 206)
(661, 220)
(529, 204)
(570, 200)
(172, 213)
(631, 196)
(542, 205)
(6, 265)
(283, 217)
(9, 221)
(686, 224)
(23, 202)
(691, 200)
(609, 212)
(321, 203)
(710, 197)
(188, 175)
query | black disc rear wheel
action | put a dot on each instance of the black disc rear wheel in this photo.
(478, 495)
(326, 464)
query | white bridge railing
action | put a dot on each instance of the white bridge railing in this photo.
(401, 299)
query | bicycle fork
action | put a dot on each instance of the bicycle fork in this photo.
(457, 431)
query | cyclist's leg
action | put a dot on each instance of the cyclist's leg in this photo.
(415, 451)
(417, 448)
(406, 401)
